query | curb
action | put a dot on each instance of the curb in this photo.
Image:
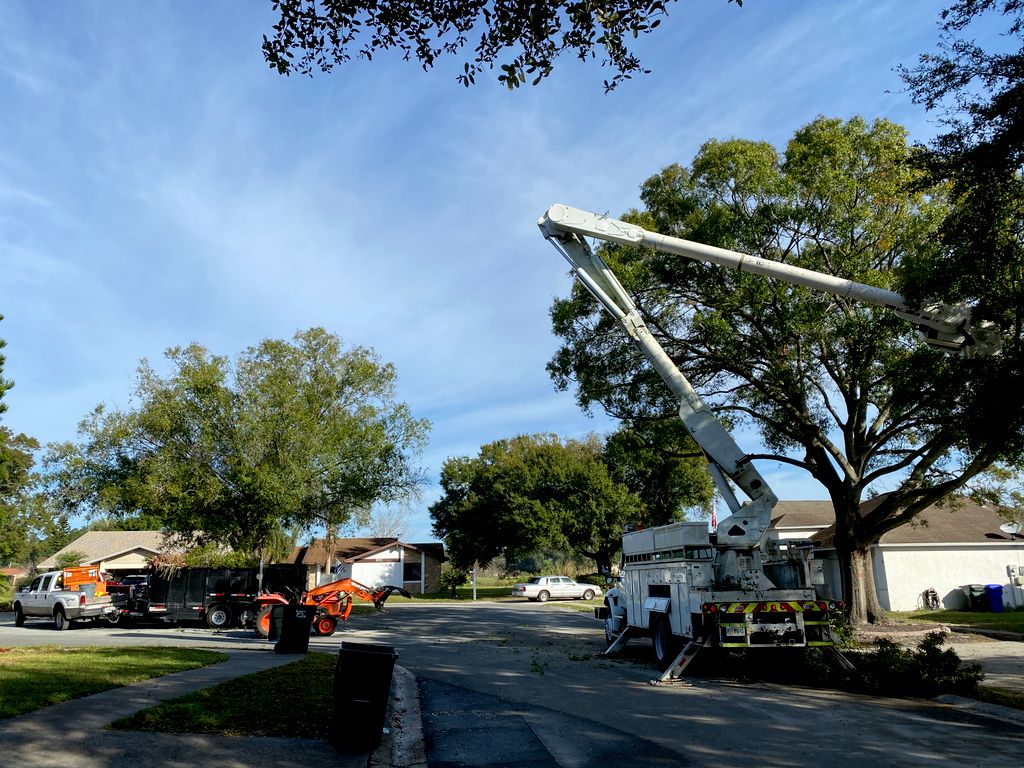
(401, 746)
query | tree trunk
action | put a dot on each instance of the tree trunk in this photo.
(859, 587)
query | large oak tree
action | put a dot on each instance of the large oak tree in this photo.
(302, 433)
(842, 391)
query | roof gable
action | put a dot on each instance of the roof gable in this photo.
(103, 545)
(352, 550)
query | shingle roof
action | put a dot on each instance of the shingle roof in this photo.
(803, 514)
(962, 522)
(352, 549)
(101, 545)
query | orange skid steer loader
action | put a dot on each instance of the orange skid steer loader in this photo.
(333, 602)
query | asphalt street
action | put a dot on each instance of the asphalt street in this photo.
(522, 684)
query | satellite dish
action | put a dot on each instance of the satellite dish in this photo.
(1010, 528)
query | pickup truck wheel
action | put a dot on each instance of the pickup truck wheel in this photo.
(543, 596)
(218, 617)
(19, 615)
(666, 645)
(588, 595)
(60, 621)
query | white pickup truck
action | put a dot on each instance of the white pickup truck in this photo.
(47, 598)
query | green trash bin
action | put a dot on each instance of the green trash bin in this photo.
(975, 594)
(362, 687)
(289, 626)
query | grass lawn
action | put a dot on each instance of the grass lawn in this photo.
(1008, 621)
(294, 700)
(31, 678)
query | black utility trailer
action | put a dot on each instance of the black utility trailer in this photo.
(222, 597)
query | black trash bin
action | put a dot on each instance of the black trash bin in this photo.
(289, 625)
(994, 598)
(975, 594)
(362, 687)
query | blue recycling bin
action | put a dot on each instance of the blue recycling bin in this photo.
(994, 598)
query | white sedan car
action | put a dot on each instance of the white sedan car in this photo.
(544, 588)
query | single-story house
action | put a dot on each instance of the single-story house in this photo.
(12, 574)
(375, 562)
(944, 549)
(116, 552)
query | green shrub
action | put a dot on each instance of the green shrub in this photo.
(453, 578)
(927, 671)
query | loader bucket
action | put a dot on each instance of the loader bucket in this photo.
(384, 593)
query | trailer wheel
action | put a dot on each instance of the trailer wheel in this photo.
(666, 645)
(218, 617)
(114, 618)
(19, 615)
(325, 625)
(60, 621)
(543, 596)
(263, 621)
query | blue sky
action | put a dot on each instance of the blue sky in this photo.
(160, 185)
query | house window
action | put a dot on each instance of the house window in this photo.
(412, 571)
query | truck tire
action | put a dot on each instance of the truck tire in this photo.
(612, 630)
(666, 645)
(543, 596)
(218, 617)
(19, 615)
(60, 621)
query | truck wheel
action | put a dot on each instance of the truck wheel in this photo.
(19, 615)
(325, 625)
(610, 626)
(60, 621)
(543, 596)
(588, 595)
(263, 621)
(666, 645)
(218, 617)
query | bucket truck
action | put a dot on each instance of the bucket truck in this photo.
(744, 590)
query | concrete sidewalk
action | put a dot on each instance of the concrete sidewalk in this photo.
(73, 734)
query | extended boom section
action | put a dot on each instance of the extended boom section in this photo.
(951, 327)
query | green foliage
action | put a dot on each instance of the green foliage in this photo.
(528, 493)
(16, 481)
(32, 678)
(980, 157)
(927, 671)
(841, 390)
(299, 433)
(70, 559)
(453, 578)
(530, 35)
(213, 556)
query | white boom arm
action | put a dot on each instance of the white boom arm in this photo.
(946, 327)
(949, 326)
